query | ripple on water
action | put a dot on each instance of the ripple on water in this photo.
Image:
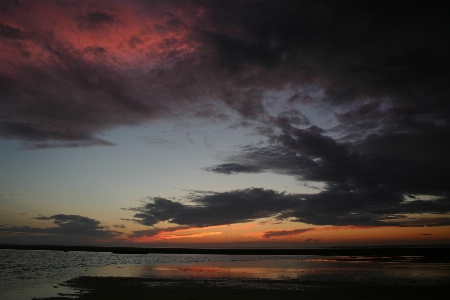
(22, 270)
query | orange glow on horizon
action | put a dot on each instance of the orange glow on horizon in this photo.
(285, 233)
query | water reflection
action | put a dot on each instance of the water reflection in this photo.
(322, 270)
(36, 273)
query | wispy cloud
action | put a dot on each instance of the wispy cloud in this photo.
(287, 233)
(283, 233)
(176, 232)
(191, 235)
(233, 168)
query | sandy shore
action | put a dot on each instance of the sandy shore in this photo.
(112, 288)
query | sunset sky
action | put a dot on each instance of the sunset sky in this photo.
(224, 123)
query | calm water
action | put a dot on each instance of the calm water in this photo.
(28, 274)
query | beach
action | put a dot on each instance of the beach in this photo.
(152, 273)
(112, 288)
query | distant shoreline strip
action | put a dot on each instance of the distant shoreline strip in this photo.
(434, 253)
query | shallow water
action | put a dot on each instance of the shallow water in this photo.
(26, 274)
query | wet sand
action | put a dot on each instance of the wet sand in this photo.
(111, 288)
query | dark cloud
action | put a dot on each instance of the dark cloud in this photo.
(380, 70)
(67, 93)
(7, 31)
(49, 145)
(232, 168)
(312, 240)
(35, 136)
(67, 225)
(154, 232)
(360, 189)
(362, 47)
(339, 205)
(383, 65)
(241, 124)
(210, 209)
(400, 164)
(95, 20)
(426, 148)
(282, 233)
(291, 117)
(248, 102)
(351, 205)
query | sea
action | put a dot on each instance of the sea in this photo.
(33, 274)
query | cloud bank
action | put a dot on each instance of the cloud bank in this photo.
(340, 205)
(374, 73)
(97, 67)
(73, 225)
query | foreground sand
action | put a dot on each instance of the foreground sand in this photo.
(112, 288)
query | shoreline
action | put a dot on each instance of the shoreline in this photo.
(428, 253)
(320, 274)
(89, 288)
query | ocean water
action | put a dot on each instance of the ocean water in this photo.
(26, 274)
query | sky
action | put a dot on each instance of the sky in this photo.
(224, 123)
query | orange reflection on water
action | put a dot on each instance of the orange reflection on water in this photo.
(230, 272)
(199, 272)
(318, 268)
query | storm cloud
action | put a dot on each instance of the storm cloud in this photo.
(353, 95)
(385, 64)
